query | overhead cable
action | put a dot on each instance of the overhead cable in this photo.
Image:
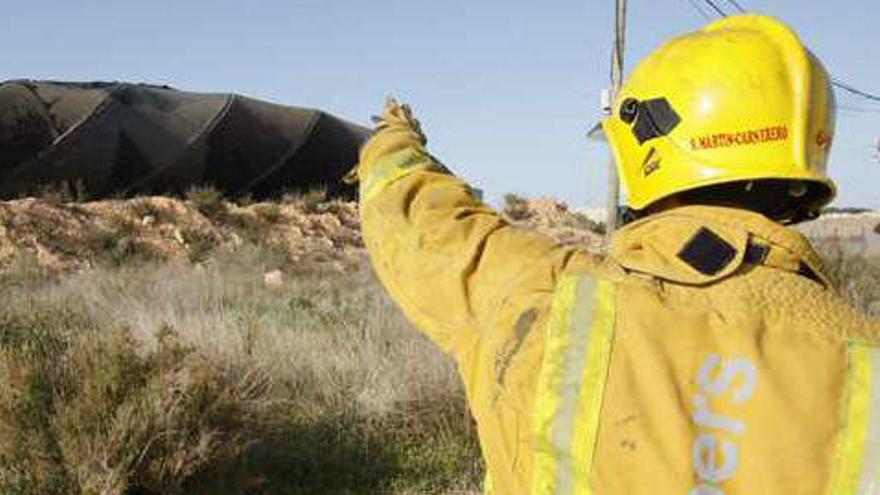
(716, 8)
(696, 6)
(855, 109)
(855, 91)
(737, 6)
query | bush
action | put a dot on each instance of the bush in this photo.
(516, 207)
(856, 278)
(309, 201)
(23, 271)
(144, 207)
(86, 411)
(63, 192)
(270, 212)
(250, 226)
(169, 379)
(118, 244)
(577, 220)
(199, 244)
(208, 201)
(115, 243)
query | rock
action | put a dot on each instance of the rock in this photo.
(49, 260)
(555, 219)
(322, 244)
(274, 279)
(236, 240)
(328, 224)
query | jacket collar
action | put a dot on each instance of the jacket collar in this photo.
(655, 245)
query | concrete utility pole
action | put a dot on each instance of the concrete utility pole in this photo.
(616, 83)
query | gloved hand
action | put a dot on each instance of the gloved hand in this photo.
(396, 129)
(397, 116)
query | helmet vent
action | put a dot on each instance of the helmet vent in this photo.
(653, 118)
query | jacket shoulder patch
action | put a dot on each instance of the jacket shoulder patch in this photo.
(707, 252)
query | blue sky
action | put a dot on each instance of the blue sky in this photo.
(505, 89)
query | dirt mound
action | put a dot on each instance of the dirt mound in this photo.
(302, 230)
(68, 236)
(63, 237)
(555, 219)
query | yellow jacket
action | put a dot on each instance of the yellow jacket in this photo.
(704, 356)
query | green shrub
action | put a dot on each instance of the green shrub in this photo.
(307, 201)
(63, 192)
(208, 201)
(144, 207)
(85, 410)
(270, 212)
(200, 244)
(118, 244)
(244, 200)
(516, 207)
(250, 227)
(48, 233)
(580, 221)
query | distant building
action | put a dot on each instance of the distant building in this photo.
(855, 234)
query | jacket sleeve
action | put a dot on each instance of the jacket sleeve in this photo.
(456, 267)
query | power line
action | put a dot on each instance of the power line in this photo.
(855, 109)
(699, 10)
(737, 6)
(716, 8)
(855, 91)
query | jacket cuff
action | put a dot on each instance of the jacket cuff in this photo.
(376, 176)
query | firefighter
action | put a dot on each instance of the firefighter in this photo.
(706, 354)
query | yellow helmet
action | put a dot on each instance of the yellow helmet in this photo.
(740, 101)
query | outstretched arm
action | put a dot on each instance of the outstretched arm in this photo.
(455, 266)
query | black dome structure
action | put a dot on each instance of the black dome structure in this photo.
(118, 139)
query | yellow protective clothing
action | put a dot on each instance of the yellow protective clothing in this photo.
(740, 100)
(705, 355)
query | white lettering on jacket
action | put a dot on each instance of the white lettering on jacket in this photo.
(716, 459)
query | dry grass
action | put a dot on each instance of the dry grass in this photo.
(145, 377)
(856, 278)
(160, 379)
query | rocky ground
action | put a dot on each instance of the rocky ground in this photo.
(556, 219)
(63, 237)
